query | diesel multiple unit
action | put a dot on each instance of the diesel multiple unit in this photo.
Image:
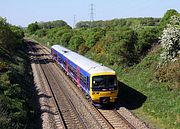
(97, 81)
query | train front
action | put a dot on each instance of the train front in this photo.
(104, 88)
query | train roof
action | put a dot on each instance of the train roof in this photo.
(86, 64)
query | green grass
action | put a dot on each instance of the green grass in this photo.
(162, 106)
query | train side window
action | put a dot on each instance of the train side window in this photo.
(55, 55)
(83, 79)
(72, 69)
(64, 62)
(59, 59)
(87, 81)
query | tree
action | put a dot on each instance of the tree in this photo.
(75, 42)
(170, 41)
(8, 39)
(18, 31)
(146, 37)
(121, 46)
(41, 33)
(83, 49)
(33, 27)
(52, 24)
(65, 38)
(166, 18)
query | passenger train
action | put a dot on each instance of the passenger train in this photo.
(97, 81)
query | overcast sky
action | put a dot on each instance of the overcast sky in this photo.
(24, 12)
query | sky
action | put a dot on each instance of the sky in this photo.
(24, 12)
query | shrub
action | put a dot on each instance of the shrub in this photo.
(170, 42)
(75, 42)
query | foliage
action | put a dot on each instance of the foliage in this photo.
(127, 22)
(92, 36)
(121, 46)
(170, 41)
(33, 27)
(17, 31)
(10, 36)
(170, 73)
(146, 38)
(41, 33)
(75, 41)
(166, 18)
(65, 38)
(15, 112)
(52, 24)
(83, 49)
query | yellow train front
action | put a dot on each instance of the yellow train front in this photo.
(103, 88)
(97, 81)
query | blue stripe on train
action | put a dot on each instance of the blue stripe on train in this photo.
(86, 88)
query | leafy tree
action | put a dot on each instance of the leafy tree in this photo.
(52, 24)
(41, 33)
(121, 46)
(92, 36)
(75, 42)
(8, 39)
(146, 37)
(128, 22)
(33, 27)
(83, 24)
(17, 31)
(83, 49)
(170, 41)
(65, 38)
(166, 18)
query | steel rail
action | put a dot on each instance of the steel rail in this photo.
(67, 97)
(53, 96)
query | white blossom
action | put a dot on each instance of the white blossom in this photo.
(170, 41)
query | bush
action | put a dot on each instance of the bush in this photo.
(121, 46)
(10, 36)
(166, 18)
(170, 73)
(33, 27)
(170, 41)
(65, 38)
(146, 37)
(75, 42)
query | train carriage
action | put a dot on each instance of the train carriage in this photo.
(97, 81)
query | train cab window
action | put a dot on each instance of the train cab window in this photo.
(111, 81)
(99, 81)
(104, 82)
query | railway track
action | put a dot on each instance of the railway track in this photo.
(73, 109)
(116, 119)
(97, 120)
(69, 118)
(113, 118)
(58, 123)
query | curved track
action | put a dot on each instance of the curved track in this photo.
(74, 110)
(65, 108)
